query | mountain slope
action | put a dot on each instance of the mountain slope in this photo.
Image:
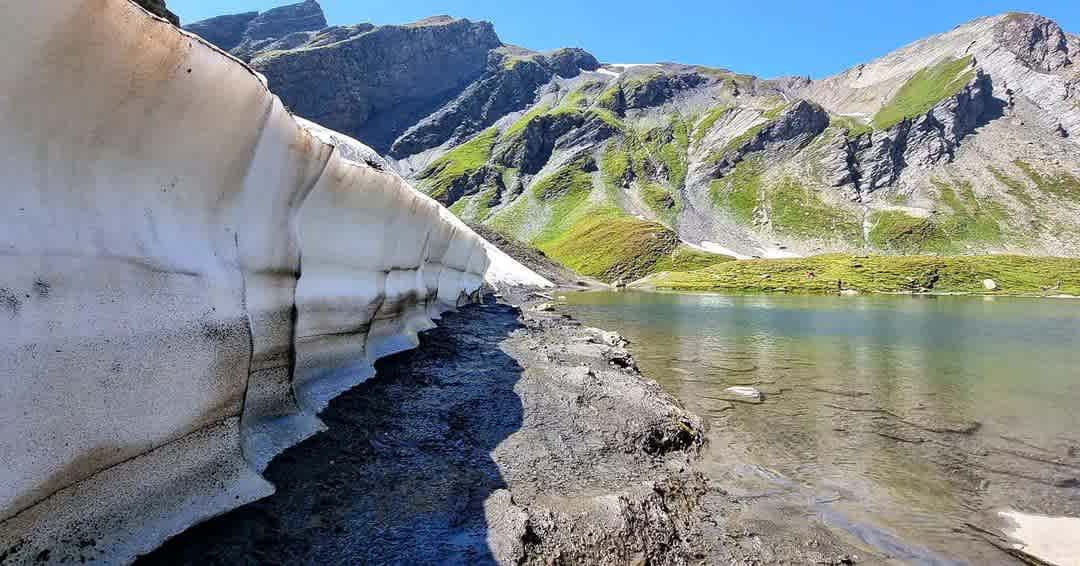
(962, 143)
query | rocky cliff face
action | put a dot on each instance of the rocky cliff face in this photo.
(962, 142)
(877, 159)
(509, 84)
(445, 79)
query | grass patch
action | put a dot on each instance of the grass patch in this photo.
(1014, 187)
(606, 116)
(611, 97)
(673, 153)
(897, 231)
(708, 120)
(462, 161)
(512, 219)
(924, 90)
(519, 126)
(854, 127)
(970, 222)
(775, 112)
(562, 194)
(660, 149)
(615, 163)
(798, 211)
(575, 101)
(1061, 184)
(475, 208)
(610, 246)
(740, 191)
(659, 198)
(1014, 275)
(686, 258)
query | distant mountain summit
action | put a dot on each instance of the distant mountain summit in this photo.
(964, 142)
(400, 88)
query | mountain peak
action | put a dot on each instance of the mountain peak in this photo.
(230, 31)
(276, 22)
(1037, 41)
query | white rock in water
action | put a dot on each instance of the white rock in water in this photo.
(745, 394)
(990, 285)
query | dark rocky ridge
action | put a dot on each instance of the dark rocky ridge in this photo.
(249, 33)
(795, 127)
(402, 89)
(158, 8)
(876, 160)
(509, 84)
(225, 32)
(375, 85)
(1037, 41)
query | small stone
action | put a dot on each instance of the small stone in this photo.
(990, 284)
(849, 292)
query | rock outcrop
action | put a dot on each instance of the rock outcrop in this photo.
(225, 32)
(446, 79)
(793, 128)
(877, 159)
(377, 84)
(1037, 42)
(158, 8)
(509, 85)
(250, 32)
(189, 275)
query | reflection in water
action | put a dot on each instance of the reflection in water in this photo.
(912, 417)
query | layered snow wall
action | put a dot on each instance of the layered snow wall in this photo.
(187, 276)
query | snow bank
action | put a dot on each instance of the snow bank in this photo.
(1055, 540)
(187, 276)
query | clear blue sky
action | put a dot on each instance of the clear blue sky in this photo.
(762, 37)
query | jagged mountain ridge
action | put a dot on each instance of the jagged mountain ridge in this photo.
(963, 142)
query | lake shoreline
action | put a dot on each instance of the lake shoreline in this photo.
(845, 274)
(865, 414)
(512, 435)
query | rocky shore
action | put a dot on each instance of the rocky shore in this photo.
(509, 436)
(512, 435)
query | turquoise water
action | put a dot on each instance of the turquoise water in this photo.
(898, 421)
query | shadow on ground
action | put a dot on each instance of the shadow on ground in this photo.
(403, 473)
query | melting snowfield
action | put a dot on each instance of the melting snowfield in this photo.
(187, 276)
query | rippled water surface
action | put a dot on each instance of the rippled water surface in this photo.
(900, 422)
